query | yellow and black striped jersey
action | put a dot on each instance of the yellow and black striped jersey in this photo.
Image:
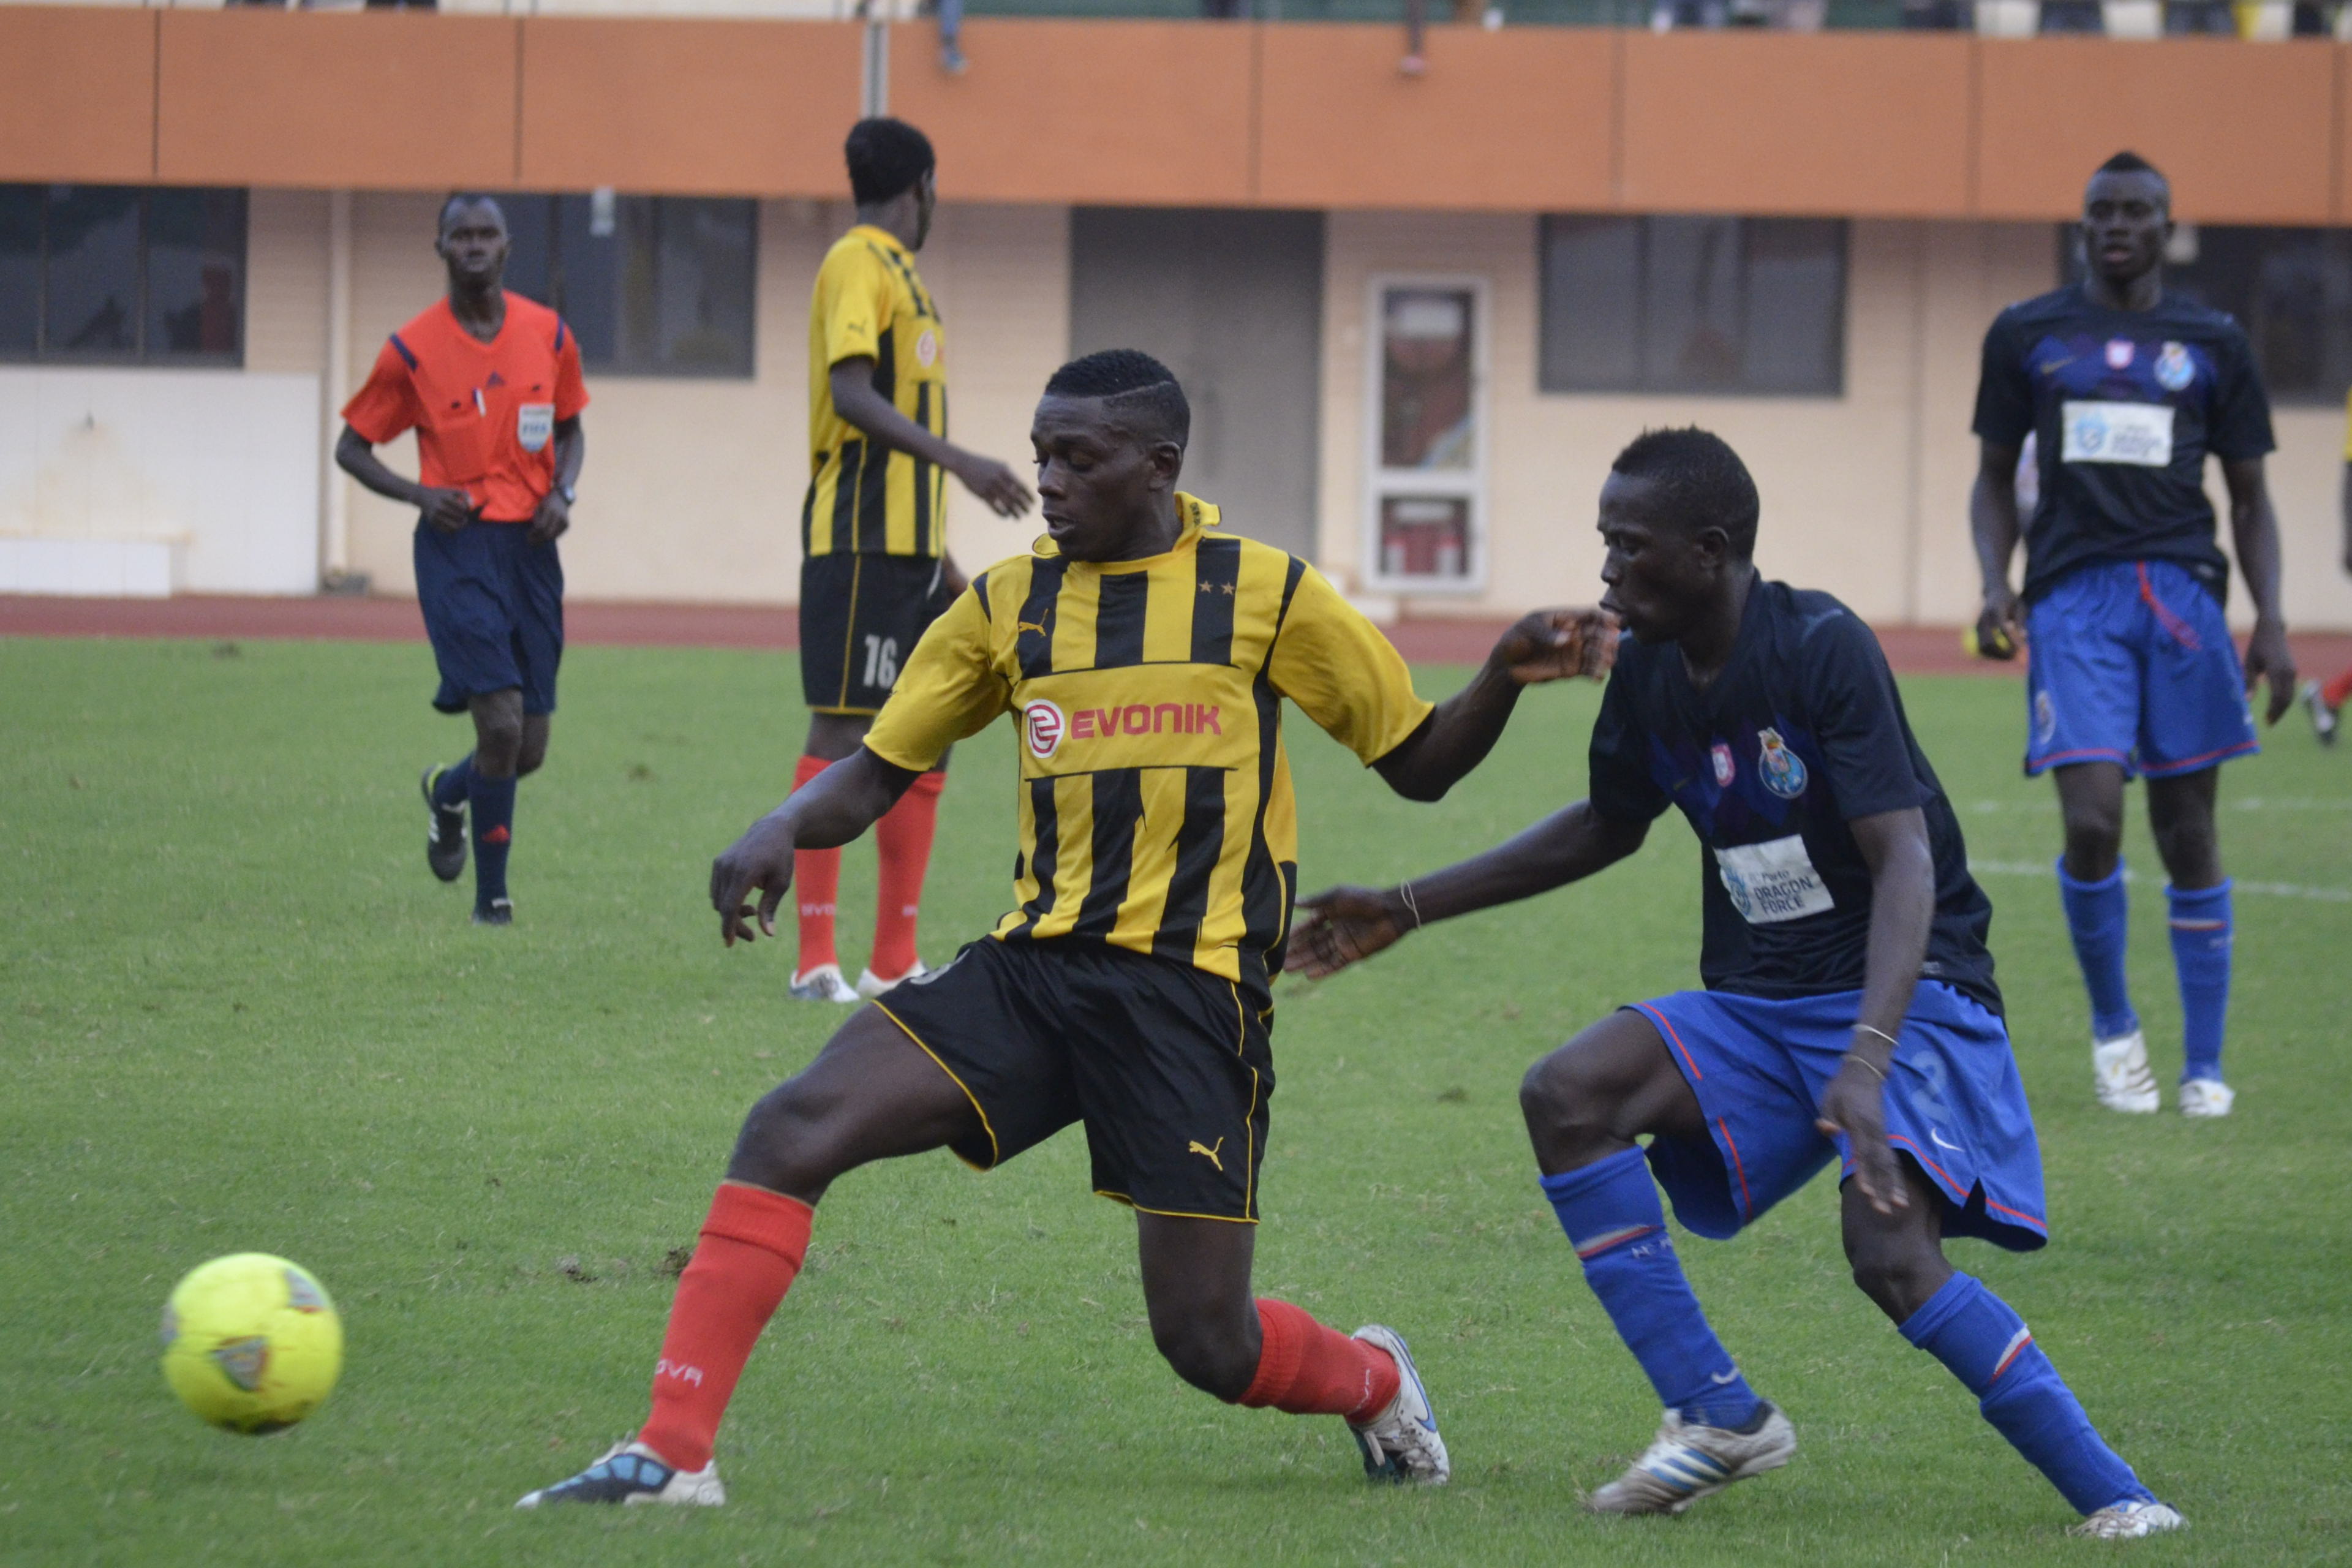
(1155, 802)
(862, 499)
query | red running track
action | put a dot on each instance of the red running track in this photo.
(1912, 650)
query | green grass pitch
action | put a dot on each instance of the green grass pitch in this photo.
(238, 1013)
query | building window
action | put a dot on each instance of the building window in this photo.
(121, 275)
(653, 285)
(1427, 481)
(1742, 305)
(2291, 288)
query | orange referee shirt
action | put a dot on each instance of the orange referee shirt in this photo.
(484, 412)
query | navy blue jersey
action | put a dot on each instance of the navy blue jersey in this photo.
(2124, 406)
(1801, 732)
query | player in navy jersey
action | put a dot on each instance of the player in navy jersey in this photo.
(2127, 389)
(1850, 1011)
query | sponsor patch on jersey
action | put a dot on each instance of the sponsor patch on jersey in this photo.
(1724, 766)
(1043, 725)
(926, 348)
(1784, 772)
(2045, 717)
(2100, 432)
(2174, 369)
(2120, 353)
(1148, 718)
(1772, 881)
(534, 423)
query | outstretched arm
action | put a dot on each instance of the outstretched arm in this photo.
(2254, 529)
(829, 810)
(855, 399)
(1544, 646)
(1347, 925)
(1894, 845)
(1992, 519)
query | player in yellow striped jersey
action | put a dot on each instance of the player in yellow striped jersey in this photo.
(1147, 654)
(875, 567)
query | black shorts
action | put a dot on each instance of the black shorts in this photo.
(861, 616)
(1169, 1068)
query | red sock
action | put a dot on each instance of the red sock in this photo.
(751, 1246)
(2336, 692)
(1310, 1370)
(817, 883)
(904, 839)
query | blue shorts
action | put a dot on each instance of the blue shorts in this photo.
(1760, 1068)
(2131, 662)
(493, 605)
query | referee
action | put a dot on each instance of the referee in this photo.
(875, 569)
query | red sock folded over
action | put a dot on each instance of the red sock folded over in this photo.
(903, 839)
(817, 883)
(1310, 1370)
(751, 1246)
(2339, 691)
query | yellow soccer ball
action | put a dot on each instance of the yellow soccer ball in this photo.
(251, 1343)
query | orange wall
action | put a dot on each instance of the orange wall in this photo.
(692, 107)
(1515, 120)
(1081, 111)
(77, 94)
(1312, 115)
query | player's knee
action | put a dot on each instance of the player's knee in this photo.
(1202, 1350)
(530, 756)
(1898, 1270)
(2095, 835)
(786, 1143)
(1561, 1093)
(498, 741)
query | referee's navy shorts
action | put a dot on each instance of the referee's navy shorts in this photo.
(493, 605)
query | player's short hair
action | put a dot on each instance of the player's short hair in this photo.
(886, 157)
(1134, 384)
(1702, 482)
(457, 199)
(2130, 163)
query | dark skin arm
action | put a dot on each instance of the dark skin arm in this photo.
(445, 509)
(855, 399)
(1347, 925)
(1993, 520)
(1548, 644)
(2253, 530)
(1894, 845)
(828, 810)
(553, 518)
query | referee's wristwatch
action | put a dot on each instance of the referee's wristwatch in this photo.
(570, 494)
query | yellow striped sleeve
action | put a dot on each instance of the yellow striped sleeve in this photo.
(948, 690)
(1342, 673)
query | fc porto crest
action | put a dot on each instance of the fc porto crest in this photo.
(1784, 770)
(1723, 764)
(2174, 369)
(2120, 353)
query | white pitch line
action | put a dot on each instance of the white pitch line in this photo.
(2261, 889)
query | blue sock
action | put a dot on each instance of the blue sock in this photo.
(1989, 1348)
(450, 789)
(2202, 930)
(1610, 1212)
(2097, 914)
(493, 821)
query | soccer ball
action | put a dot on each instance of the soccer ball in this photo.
(251, 1343)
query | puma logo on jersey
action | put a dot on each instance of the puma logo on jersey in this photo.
(1031, 627)
(1197, 1147)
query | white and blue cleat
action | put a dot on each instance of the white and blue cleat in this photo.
(2129, 1520)
(1401, 1444)
(632, 1473)
(1688, 1461)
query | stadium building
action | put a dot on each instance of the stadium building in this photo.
(1415, 313)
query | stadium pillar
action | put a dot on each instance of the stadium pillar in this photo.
(335, 498)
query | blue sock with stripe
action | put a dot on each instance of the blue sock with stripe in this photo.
(1989, 1348)
(1611, 1212)
(2202, 930)
(450, 789)
(493, 823)
(2098, 915)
